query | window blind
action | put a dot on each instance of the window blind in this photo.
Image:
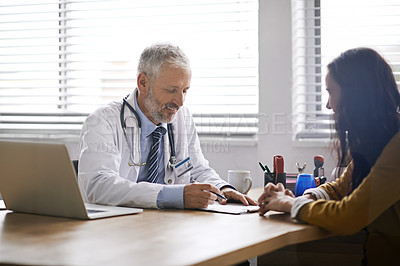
(322, 30)
(60, 60)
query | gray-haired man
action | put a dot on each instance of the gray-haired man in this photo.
(143, 151)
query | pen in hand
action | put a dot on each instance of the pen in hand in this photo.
(218, 195)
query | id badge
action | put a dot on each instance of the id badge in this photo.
(183, 167)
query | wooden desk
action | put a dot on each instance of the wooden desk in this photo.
(154, 237)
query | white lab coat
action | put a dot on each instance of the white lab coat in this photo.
(104, 174)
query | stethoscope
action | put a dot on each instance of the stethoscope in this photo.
(172, 158)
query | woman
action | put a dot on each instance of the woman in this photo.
(365, 99)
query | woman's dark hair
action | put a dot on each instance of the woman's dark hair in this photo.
(368, 110)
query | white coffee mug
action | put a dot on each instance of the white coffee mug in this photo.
(240, 179)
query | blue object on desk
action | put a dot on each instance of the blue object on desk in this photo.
(304, 181)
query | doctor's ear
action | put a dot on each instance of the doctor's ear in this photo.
(142, 82)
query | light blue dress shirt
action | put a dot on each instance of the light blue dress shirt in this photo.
(170, 196)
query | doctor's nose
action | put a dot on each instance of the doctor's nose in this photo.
(180, 98)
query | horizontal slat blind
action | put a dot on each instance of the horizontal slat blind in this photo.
(60, 60)
(322, 30)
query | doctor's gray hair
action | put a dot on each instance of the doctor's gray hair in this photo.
(154, 56)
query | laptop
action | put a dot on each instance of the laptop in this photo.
(39, 178)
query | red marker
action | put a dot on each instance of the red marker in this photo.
(279, 164)
(278, 167)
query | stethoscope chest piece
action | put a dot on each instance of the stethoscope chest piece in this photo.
(171, 163)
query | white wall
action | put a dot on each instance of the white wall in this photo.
(275, 106)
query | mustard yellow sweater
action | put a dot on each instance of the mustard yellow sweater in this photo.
(374, 204)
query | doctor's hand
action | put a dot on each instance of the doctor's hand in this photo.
(275, 198)
(231, 194)
(198, 195)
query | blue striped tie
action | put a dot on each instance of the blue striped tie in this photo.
(152, 160)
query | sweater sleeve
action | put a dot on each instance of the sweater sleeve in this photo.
(329, 191)
(341, 186)
(351, 213)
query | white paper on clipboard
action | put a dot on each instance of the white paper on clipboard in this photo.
(231, 208)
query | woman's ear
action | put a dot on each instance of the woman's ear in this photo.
(143, 83)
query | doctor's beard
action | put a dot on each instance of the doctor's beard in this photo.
(151, 105)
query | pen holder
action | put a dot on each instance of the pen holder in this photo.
(269, 178)
(281, 178)
(274, 178)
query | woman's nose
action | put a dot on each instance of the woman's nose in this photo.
(328, 105)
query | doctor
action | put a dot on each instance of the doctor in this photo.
(143, 151)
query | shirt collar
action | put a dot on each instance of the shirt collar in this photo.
(147, 126)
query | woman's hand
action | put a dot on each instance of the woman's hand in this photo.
(275, 198)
